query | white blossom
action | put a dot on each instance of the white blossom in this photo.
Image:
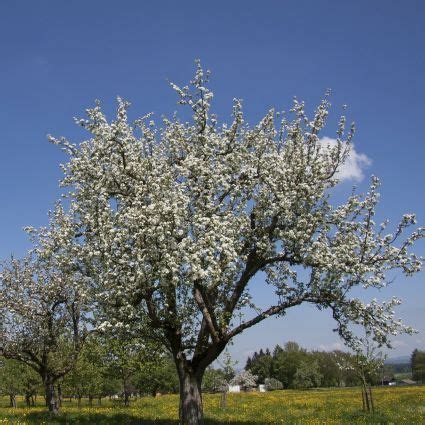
(178, 217)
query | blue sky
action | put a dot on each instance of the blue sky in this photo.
(57, 57)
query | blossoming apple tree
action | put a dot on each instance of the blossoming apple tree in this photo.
(179, 217)
(42, 316)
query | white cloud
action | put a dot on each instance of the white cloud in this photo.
(331, 347)
(353, 167)
(399, 344)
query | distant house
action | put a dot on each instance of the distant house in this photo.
(407, 382)
(234, 388)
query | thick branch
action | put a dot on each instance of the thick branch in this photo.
(252, 266)
(207, 314)
(267, 313)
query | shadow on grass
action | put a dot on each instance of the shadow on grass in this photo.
(116, 418)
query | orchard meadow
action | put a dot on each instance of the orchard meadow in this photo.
(398, 405)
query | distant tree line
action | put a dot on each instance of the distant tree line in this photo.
(119, 367)
(296, 367)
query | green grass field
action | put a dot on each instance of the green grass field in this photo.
(402, 405)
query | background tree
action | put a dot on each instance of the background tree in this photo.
(179, 218)
(31, 384)
(89, 377)
(307, 375)
(157, 375)
(418, 365)
(215, 381)
(16, 378)
(273, 384)
(346, 377)
(125, 358)
(41, 305)
(388, 373)
(10, 380)
(286, 361)
(260, 365)
(328, 368)
(245, 379)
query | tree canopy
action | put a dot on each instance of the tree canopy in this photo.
(172, 221)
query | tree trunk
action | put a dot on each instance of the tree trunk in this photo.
(51, 400)
(28, 400)
(126, 392)
(99, 401)
(60, 395)
(12, 398)
(191, 412)
(79, 400)
(371, 400)
(223, 401)
(90, 400)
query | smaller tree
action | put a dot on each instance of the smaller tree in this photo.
(245, 379)
(125, 357)
(157, 375)
(273, 384)
(42, 320)
(10, 380)
(418, 366)
(307, 375)
(88, 376)
(31, 384)
(366, 364)
(215, 381)
(228, 366)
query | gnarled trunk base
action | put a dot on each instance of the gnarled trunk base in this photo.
(51, 400)
(191, 411)
(12, 398)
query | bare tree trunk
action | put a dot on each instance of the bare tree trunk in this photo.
(51, 396)
(126, 392)
(366, 397)
(12, 398)
(126, 398)
(191, 410)
(99, 401)
(90, 400)
(28, 400)
(223, 401)
(371, 399)
(60, 395)
(79, 400)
